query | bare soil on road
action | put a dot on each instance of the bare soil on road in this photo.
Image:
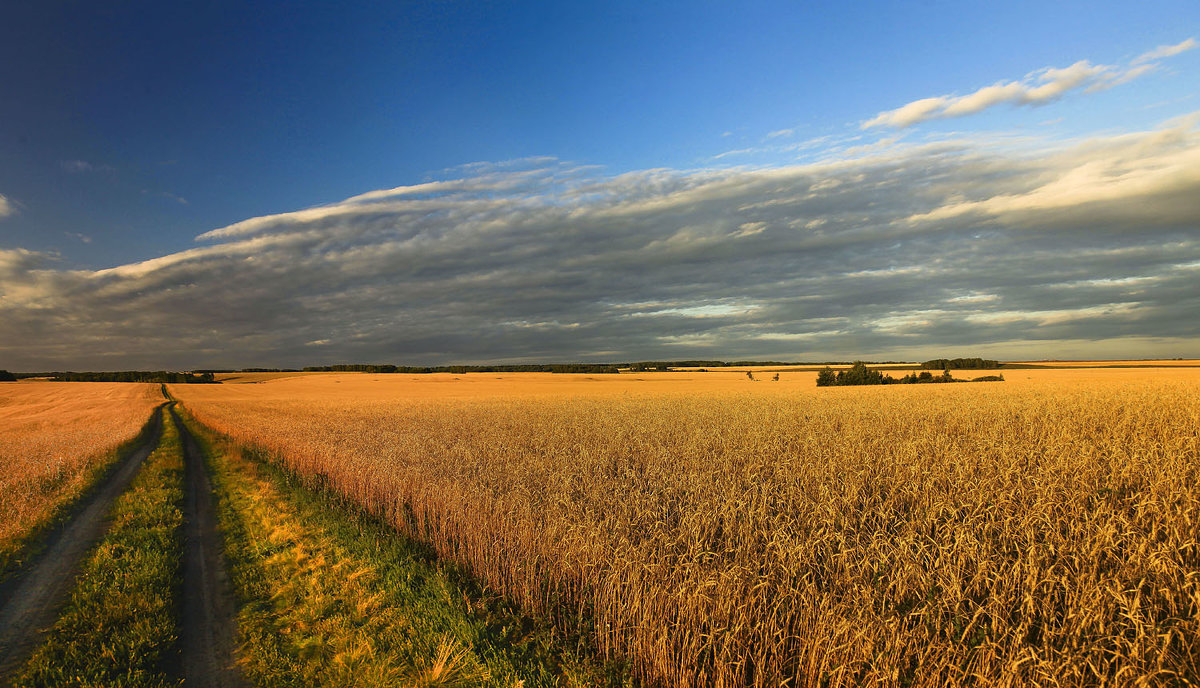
(207, 627)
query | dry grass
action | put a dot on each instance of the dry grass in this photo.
(52, 434)
(1043, 531)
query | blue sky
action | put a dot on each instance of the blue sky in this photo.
(127, 130)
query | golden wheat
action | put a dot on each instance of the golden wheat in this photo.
(1043, 532)
(52, 434)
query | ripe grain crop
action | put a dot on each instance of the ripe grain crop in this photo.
(1039, 533)
(333, 597)
(53, 437)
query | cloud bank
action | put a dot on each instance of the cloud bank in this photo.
(1037, 88)
(954, 248)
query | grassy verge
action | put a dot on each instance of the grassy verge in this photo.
(16, 551)
(119, 627)
(331, 597)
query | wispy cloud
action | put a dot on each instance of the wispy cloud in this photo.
(6, 206)
(1166, 51)
(83, 166)
(950, 247)
(76, 166)
(1036, 88)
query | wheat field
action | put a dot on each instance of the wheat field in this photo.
(722, 532)
(52, 434)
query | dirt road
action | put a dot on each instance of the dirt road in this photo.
(31, 599)
(207, 628)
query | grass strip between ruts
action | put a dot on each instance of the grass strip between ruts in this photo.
(119, 627)
(329, 596)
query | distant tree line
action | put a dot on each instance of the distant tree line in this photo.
(860, 374)
(246, 370)
(960, 364)
(637, 367)
(460, 369)
(159, 376)
(6, 376)
(643, 366)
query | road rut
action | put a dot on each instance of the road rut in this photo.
(208, 626)
(31, 599)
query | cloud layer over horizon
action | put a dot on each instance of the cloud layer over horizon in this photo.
(958, 247)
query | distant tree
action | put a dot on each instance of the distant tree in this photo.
(159, 376)
(860, 374)
(857, 374)
(6, 376)
(826, 378)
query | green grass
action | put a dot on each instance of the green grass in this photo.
(17, 551)
(329, 596)
(119, 628)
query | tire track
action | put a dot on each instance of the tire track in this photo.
(31, 599)
(208, 627)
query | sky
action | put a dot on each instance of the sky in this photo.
(198, 185)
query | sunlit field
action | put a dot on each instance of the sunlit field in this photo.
(1168, 363)
(687, 382)
(52, 434)
(719, 531)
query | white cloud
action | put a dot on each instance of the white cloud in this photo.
(1166, 51)
(83, 166)
(15, 261)
(1037, 88)
(1041, 87)
(1123, 168)
(964, 245)
(6, 207)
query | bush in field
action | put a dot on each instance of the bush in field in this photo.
(926, 377)
(857, 374)
(860, 374)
